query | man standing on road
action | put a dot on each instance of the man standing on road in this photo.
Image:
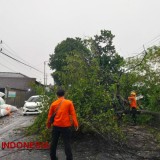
(64, 110)
(133, 106)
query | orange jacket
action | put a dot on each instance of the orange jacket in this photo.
(133, 102)
(64, 113)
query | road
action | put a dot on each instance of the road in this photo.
(9, 133)
(85, 148)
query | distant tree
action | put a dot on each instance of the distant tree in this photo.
(101, 44)
(101, 47)
(70, 46)
(110, 63)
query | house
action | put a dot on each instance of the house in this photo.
(17, 87)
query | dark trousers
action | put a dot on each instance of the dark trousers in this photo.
(66, 135)
(134, 117)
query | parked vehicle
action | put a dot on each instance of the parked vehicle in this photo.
(32, 105)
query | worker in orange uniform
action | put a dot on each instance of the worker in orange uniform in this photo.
(133, 106)
(62, 124)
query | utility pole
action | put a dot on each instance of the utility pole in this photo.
(45, 72)
(46, 79)
(1, 45)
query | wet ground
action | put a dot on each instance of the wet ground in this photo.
(141, 144)
(9, 133)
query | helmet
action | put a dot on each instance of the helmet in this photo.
(133, 93)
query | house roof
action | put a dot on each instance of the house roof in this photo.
(12, 74)
(15, 80)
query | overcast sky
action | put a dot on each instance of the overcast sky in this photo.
(30, 29)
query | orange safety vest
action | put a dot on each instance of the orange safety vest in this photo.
(133, 102)
(64, 114)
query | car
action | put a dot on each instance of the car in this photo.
(32, 105)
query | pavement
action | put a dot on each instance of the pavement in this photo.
(9, 132)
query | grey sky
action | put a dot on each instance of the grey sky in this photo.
(32, 28)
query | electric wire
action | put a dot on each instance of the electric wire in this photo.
(6, 62)
(20, 61)
(9, 50)
(6, 50)
(17, 69)
(13, 66)
(146, 45)
(12, 51)
(153, 40)
(7, 67)
(15, 54)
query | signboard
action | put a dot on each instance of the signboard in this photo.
(12, 94)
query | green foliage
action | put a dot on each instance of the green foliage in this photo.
(83, 85)
(145, 71)
(101, 47)
(98, 81)
(105, 125)
(101, 44)
(38, 89)
(91, 100)
(58, 60)
(144, 119)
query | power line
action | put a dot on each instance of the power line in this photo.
(146, 44)
(5, 59)
(15, 57)
(8, 51)
(153, 40)
(7, 67)
(19, 61)
(11, 51)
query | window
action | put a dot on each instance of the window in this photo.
(34, 99)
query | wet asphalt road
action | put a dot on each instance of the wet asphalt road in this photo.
(8, 133)
(11, 129)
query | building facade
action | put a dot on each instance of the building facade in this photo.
(17, 87)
